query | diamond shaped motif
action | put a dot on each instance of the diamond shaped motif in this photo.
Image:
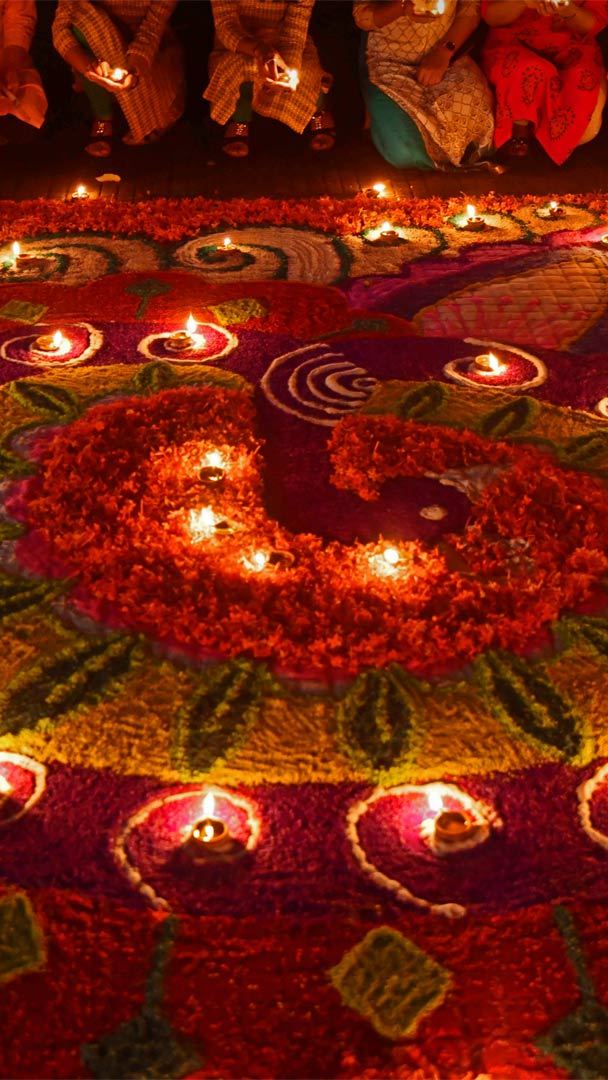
(391, 982)
(579, 1042)
(21, 942)
(232, 312)
(22, 311)
(144, 1048)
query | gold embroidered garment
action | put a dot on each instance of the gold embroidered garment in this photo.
(455, 118)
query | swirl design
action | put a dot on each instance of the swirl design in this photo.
(76, 260)
(265, 252)
(482, 812)
(524, 371)
(212, 342)
(84, 342)
(167, 821)
(316, 384)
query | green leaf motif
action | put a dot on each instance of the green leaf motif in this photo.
(219, 714)
(526, 701)
(57, 684)
(586, 451)
(9, 530)
(374, 326)
(21, 941)
(19, 594)
(12, 465)
(376, 716)
(421, 402)
(45, 397)
(589, 631)
(509, 419)
(157, 375)
(146, 290)
(578, 1042)
(144, 1048)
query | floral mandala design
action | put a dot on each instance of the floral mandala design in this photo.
(109, 508)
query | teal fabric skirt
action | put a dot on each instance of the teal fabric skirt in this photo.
(394, 133)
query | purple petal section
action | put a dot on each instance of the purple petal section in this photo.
(304, 862)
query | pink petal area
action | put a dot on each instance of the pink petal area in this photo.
(550, 306)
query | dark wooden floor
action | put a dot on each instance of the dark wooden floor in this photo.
(189, 162)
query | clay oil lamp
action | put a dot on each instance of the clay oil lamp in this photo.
(55, 344)
(213, 469)
(473, 222)
(210, 837)
(488, 364)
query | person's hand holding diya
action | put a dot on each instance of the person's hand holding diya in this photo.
(113, 79)
(276, 73)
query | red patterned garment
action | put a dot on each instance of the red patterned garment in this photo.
(544, 73)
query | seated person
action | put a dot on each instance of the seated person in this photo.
(132, 37)
(546, 68)
(426, 109)
(21, 92)
(265, 62)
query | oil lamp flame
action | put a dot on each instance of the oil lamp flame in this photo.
(118, 74)
(553, 205)
(386, 227)
(5, 787)
(209, 806)
(471, 212)
(440, 7)
(203, 521)
(293, 78)
(16, 249)
(391, 556)
(191, 325)
(58, 340)
(214, 460)
(489, 364)
(380, 190)
(259, 559)
(81, 192)
(227, 243)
